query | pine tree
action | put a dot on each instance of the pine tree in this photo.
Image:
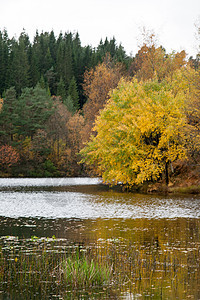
(4, 54)
(19, 63)
(8, 116)
(33, 109)
(73, 93)
(53, 47)
(61, 91)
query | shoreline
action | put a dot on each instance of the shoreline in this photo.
(147, 188)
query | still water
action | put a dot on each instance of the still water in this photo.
(161, 231)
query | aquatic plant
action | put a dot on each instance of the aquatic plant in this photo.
(80, 271)
(39, 268)
(42, 267)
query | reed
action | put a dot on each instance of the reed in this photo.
(41, 270)
(82, 271)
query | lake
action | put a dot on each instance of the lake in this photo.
(153, 239)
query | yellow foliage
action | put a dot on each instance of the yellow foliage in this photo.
(139, 132)
(27, 148)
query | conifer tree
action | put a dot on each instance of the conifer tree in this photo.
(61, 91)
(8, 116)
(33, 109)
(4, 56)
(73, 93)
(19, 72)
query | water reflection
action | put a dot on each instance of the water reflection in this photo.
(154, 241)
(159, 257)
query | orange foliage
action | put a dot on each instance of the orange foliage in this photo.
(76, 135)
(8, 156)
(98, 82)
(151, 61)
(1, 104)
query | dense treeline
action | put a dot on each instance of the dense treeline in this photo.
(41, 85)
(149, 128)
(58, 62)
(54, 91)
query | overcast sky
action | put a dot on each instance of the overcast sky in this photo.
(172, 20)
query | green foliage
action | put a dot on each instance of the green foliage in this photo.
(141, 131)
(8, 116)
(46, 169)
(49, 169)
(23, 64)
(81, 272)
(69, 104)
(73, 93)
(61, 91)
(32, 111)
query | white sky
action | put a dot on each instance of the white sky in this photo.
(172, 20)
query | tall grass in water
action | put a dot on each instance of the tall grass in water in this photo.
(82, 271)
(40, 271)
(28, 273)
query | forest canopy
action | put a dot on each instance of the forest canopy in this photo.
(133, 119)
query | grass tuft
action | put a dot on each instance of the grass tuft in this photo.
(82, 272)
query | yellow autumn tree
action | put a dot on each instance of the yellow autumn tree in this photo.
(139, 132)
(191, 78)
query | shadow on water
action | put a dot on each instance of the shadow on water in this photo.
(152, 242)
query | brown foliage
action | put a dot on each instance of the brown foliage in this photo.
(76, 135)
(8, 157)
(1, 104)
(65, 136)
(56, 130)
(98, 82)
(152, 60)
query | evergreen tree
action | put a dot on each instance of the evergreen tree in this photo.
(69, 104)
(19, 73)
(4, 54)
(33, 110)
(50, 76)
(48, 61)
(52, 47)
(73, 93)
(64, 66)
(34, 67)
(8, 116)
(77, 57)
(42, 83)
(22, 63)
(61, 91)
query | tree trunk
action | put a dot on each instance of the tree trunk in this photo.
(166, 173)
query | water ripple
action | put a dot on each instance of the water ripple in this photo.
(91, 206)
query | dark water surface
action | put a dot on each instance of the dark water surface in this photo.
(161, 232)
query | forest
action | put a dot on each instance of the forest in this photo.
(69, 110)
